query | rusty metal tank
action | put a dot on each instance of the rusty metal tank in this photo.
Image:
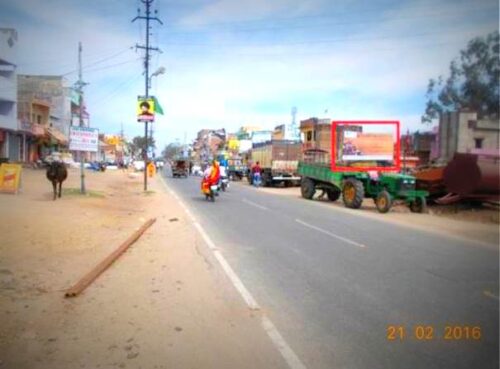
(471, 174)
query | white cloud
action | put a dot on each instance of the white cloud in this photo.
(234, 78)
(230, 11)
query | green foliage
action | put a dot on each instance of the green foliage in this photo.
(137, 145)
(473, 82)
(172, 150)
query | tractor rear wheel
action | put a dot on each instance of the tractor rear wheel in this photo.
(383, 202)
(333, 194)
(419, 205)
(307, 188)
(353, 193)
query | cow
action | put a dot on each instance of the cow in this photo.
(57, 173)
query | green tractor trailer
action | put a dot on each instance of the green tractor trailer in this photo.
(354, 183)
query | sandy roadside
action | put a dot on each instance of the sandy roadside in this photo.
(164, 304)
(478, 226)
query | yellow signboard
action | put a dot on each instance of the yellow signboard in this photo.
(10, 177)
(112, 139)
(145, 109)
(233, 144)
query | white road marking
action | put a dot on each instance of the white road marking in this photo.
(254, 204)
(346, 240)
(290, 357)
(238, 284)
(277, 339)
(490, 295)
(205, 237)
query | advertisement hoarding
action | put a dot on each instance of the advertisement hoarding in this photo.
(83, 139)
(145, 109)
(365, 146)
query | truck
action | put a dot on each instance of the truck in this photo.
(278, 160)
(235, 169)
(379, 180)
(180, 167)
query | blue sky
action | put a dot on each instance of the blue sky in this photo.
(231, 63)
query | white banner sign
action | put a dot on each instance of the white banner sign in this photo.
(83, 139)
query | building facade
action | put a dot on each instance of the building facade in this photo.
(10, 139)
(44, 112)
(463, 132)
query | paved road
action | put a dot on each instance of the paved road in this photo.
(332, 282)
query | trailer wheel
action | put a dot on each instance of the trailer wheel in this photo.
(419, 205)
(383, 202)
(333, 194)
(353, 193)
(307, 188)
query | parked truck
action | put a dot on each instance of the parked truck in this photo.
(278, 160)
(355, 180)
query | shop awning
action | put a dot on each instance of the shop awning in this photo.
(57, 135)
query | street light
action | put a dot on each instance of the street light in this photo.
(156, 73)
(160, 70)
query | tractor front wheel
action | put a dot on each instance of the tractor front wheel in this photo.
(383, 202)
(307, 188)
(419, 205)
(353, 193)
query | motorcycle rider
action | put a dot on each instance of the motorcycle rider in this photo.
(223, 178)
(211, 177)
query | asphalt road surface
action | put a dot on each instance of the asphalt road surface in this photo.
(347, 291)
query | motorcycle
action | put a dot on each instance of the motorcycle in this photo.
(224, 183)
(213, 191)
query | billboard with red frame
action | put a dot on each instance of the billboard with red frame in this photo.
(362, 146)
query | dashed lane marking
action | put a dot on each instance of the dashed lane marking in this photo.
(346, 240)
(254, 204)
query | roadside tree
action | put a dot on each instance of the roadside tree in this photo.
(473, 82)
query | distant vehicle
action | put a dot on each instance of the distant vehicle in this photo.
(180, 168)
(159, 164)
(97, 166)
(138, 165)
(279, 160)
(196, 170)
(66, 158)
(235, 169)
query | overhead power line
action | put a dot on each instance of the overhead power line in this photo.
(57, 62)
(85, 67)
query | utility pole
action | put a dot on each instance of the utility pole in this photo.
(151, 135)
(79, 86)
(147, 50)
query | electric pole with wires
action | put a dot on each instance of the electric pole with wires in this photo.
(79, 88)
(147, 49)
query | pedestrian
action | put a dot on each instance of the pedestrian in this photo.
(256, 174)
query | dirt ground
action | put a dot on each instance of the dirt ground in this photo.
(164, 304)
(456, 221)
